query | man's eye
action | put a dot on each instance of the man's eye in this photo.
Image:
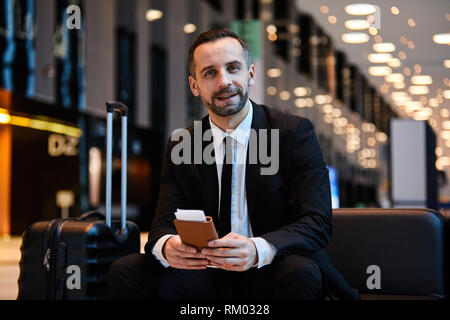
(209, 73)
(234, 68)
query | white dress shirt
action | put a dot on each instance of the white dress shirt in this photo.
(239, 211)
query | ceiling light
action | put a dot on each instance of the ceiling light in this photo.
(271, 28)
(394, 77)
(384, 47)
(395, 10)
(360, 9)
(411, 23)
(395, 63)
(446, 94)
(301, 91)
(421, 80)
(332, 19)
(442, 38)
(274, 73)
(152, 15)
(189, 28)
(357, 24)
(380, 71)
(373, 31)
(402, 55)
(355, 37)
(271, 91)
(324, 9)
(399, 85)
(447, 63)
(379, 57)
(433, 102)
(418, 90)
(285, 95)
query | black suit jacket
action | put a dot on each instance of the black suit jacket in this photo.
(290, 209)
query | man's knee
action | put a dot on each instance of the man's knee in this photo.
(128, 276)
(299, 277)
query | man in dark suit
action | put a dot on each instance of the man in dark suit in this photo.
(274, 217)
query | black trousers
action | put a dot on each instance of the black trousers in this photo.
(139, 276)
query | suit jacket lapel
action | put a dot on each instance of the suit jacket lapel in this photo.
(253, 170)
(208, 175)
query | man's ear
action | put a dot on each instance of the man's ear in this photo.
(193, 86)
(252, 75)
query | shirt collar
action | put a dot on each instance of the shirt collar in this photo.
(242, 132)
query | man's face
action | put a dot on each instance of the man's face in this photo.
(222, 77)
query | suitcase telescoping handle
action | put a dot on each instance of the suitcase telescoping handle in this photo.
(112, 106)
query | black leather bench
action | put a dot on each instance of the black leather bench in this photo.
(392, 253)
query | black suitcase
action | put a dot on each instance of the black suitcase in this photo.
(69, 259)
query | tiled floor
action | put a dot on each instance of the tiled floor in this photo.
(9, 265)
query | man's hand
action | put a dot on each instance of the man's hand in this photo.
(232, 252)
(183, 256)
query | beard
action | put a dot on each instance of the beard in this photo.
(232, 107)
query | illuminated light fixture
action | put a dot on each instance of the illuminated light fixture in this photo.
(37, 124)
(445, 135)
(417, 68)
(271, 91)
(324, 9)
(411, 23)
(406, 72)
(357, 24)
(384, 47)
(446, 125)
(332, 19)
(394, 77)
(368, 127)
(309, 102)
(433, 102)
(414, 105)
(274, 73)
(395, 10)
(360, 9)
(398, 94)
(373, 31)
(379, 57)
(152, 15)
(447, 63)
(355, 37)
(272, 36)
(378, 38)
(336, 113)
(394, 63)
(402, 55)
(444, 113)
(378, 71)
(321, 99)
(271, 28)
(399, 85)
(439, 151)
(411, 45)
(327, 109)
(442, 38)
(189, 28)
(418, 90)
(285, 95)
(381, 136)
(301, 91)
(300, 103)
(421, 80)
(328, 118)
(446, 94)
(5, 118)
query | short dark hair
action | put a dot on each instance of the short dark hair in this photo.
(214, 35)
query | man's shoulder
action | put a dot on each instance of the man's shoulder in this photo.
(283, 120)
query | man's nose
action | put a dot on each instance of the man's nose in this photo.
(224, 79)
